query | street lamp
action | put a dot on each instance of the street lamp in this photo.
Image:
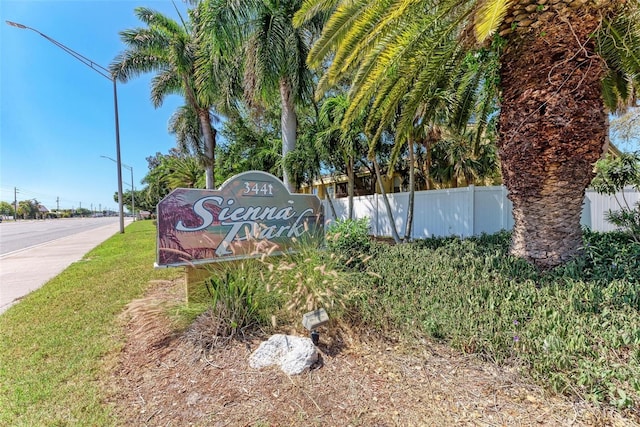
(133, 200)
(106, 74)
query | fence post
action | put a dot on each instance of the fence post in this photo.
(503, 207)
(377, 232)
(471, 211)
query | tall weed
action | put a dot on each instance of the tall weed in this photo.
(305, 280)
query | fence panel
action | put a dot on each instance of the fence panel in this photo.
(492, 210)
(599, 205)
(399, 203)
(463, 211)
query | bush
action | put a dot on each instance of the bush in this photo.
(627, 219)
(305, 280)
(612, 176)
(349, 240)
(274, 290)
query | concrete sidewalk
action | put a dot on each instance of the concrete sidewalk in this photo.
(24, 271)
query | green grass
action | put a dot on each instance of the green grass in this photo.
(55, 342)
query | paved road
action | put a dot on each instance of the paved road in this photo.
(33, 252)
(25, 234)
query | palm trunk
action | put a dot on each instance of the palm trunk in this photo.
(351, 178)
(328, 197)
(427, 166)
(394, 232)
(552, 131)
(289, 125)
(412, 192)
(209, 134)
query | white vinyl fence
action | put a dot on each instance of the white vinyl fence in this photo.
(463, 212)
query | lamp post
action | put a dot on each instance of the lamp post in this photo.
(133, 200)
(106, 74)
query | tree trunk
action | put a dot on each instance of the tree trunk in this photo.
(412, 192)
(394, 232)
(289, 125)
(328, 197)
(552, 130)
(209, 134)
(351, 179)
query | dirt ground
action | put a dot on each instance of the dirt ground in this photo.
(161, 378)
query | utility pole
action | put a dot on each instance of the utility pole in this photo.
(104, 72)
(15, 203)
(58, 203)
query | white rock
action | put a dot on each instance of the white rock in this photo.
(293, 354)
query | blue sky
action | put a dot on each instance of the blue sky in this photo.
(57, 115)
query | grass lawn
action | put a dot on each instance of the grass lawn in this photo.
(55, 343)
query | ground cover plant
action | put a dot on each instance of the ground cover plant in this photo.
(575, 329)
(54, 343)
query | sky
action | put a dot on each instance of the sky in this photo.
(57, 114)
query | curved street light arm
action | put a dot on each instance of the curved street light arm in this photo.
(106, 74)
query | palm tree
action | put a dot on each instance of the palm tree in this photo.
(275, 71)
(168, 172)
(340, 146)
(251, 142)
(305, 162)
(561, 64)
(170, 49)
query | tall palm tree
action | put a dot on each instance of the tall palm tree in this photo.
(275, 69)
(170, 49)
(561, 64)
(307, 160)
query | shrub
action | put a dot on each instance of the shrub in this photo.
(305, 280)
(612, 176)
(273, 289)
(349, 240)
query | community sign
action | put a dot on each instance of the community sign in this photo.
(250, 215)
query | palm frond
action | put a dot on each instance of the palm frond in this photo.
(336, 28)
(311, 8)
(618, 43)
(165, 83)
(156, 19)
(489, 17)
(132, 63)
